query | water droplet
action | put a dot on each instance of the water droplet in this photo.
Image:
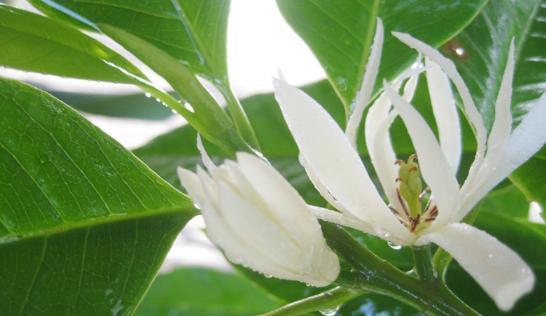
(269, 276)
(460, 51)
(189, 107)
(394, 246)
(148, 95)
(490, 256)
(329, 311)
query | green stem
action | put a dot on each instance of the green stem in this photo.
(376, 275)
(423, 263)
(238, 115)
(326, 300)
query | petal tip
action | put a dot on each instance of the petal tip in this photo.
(507, 296)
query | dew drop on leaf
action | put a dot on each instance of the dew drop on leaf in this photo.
(394, 246)
(329, 311)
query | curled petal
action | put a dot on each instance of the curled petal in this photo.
(205, 158)
(434, 167)
(332, 159)
(368, 81)
(500, 271)
(378, 141)
(502, 125)
(523, 143)
(471, 111)
(445, 113)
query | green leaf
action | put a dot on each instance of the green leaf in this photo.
(204, 292)
(135, 105)
(204, 114)
(486, 42)
(84, 225)
(530, 178)
(190, 33)
(35, 43)
(340, 33)
(193, 32)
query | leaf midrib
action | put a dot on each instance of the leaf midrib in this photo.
(97, 221)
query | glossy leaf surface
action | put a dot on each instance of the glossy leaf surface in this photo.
(203, 292)
(35, 43)
(484, 52)
(135, 105)
(340, 33)
(84, 225)
(193, 32)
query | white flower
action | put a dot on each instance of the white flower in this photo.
(334, 166)
(254, 215)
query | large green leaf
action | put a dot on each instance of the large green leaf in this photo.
(485, 43)
(35, 43)
(205, 292)
(134, 105)
(201, 110)
(340, 32)
(531, 179)
(193, 32)
(84, 225)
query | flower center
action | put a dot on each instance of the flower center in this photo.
(411, 197)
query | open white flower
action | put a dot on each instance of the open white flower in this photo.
(254, 215)
(413, 216)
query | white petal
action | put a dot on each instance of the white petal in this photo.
(500, 271)
(258, 227)
(378, 142)
(321, 188)
(434, 167)
(190, 181)
(445, 113)
(502, 126)
(332, 158)
(526, 139)
(205, 158)
(523, 143)
(368, 82)
(476, 187)
(289, 211)
(471, 111)
(352, 222)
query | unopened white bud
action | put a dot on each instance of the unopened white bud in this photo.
(255, 216)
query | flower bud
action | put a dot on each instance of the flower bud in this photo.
(259, 221)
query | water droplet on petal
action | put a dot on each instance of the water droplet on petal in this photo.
(269, 276)
(490, 256)
(329, 311)
(148, 95)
